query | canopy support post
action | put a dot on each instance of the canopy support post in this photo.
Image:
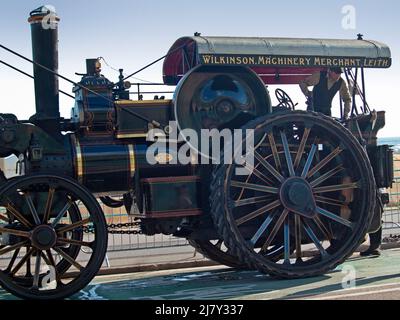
(341, 108)
(363, 90)
(354, 92)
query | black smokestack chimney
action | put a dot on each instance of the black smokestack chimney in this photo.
(44, 27)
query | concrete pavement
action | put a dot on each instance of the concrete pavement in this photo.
(375, 278)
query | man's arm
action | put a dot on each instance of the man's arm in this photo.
(346, 97)
(310, 81)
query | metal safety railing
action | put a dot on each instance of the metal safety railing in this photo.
(391, 216)
(122, 242)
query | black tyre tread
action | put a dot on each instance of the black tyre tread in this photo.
(210, 252)
(232, 239)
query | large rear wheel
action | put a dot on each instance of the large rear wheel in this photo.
(311, 188)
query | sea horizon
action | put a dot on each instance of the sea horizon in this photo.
(394, 142)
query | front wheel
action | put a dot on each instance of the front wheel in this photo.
(50, 225)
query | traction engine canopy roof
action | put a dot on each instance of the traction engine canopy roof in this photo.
(275, 60)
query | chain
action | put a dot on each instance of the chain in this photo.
(392, 238)
(112, 228)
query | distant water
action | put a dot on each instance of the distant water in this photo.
(394, 142)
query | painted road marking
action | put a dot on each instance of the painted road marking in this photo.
(347, 290)
(355, 294)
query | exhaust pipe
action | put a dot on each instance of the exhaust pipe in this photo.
(44, 29)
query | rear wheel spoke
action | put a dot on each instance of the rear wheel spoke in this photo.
(315, 240)
(275, 230)
(335, 217)
(309, 161)
(274, 151)
(259, 175)
(269, 167)
(330, 201)
(298, 228)
(327, 234)
(339, 187)
(326, 176)
(324, 162)
(254, 187)
(255, 200)
(262, 229)
(301, 147)
(258, 212)
(286, 237)
(288, 156)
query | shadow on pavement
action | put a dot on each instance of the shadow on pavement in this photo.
(338, 286)
(215, 284)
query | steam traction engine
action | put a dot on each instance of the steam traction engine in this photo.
(305, 205)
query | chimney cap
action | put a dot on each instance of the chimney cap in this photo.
(43, 10)
(39, 13)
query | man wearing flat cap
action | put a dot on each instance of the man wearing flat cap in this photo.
(326, 85)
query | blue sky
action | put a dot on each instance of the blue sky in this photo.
(129, 34)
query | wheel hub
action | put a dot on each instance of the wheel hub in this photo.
(296, 195)
(225, 108)
(44, 237)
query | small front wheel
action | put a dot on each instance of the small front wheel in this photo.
(50, 225)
